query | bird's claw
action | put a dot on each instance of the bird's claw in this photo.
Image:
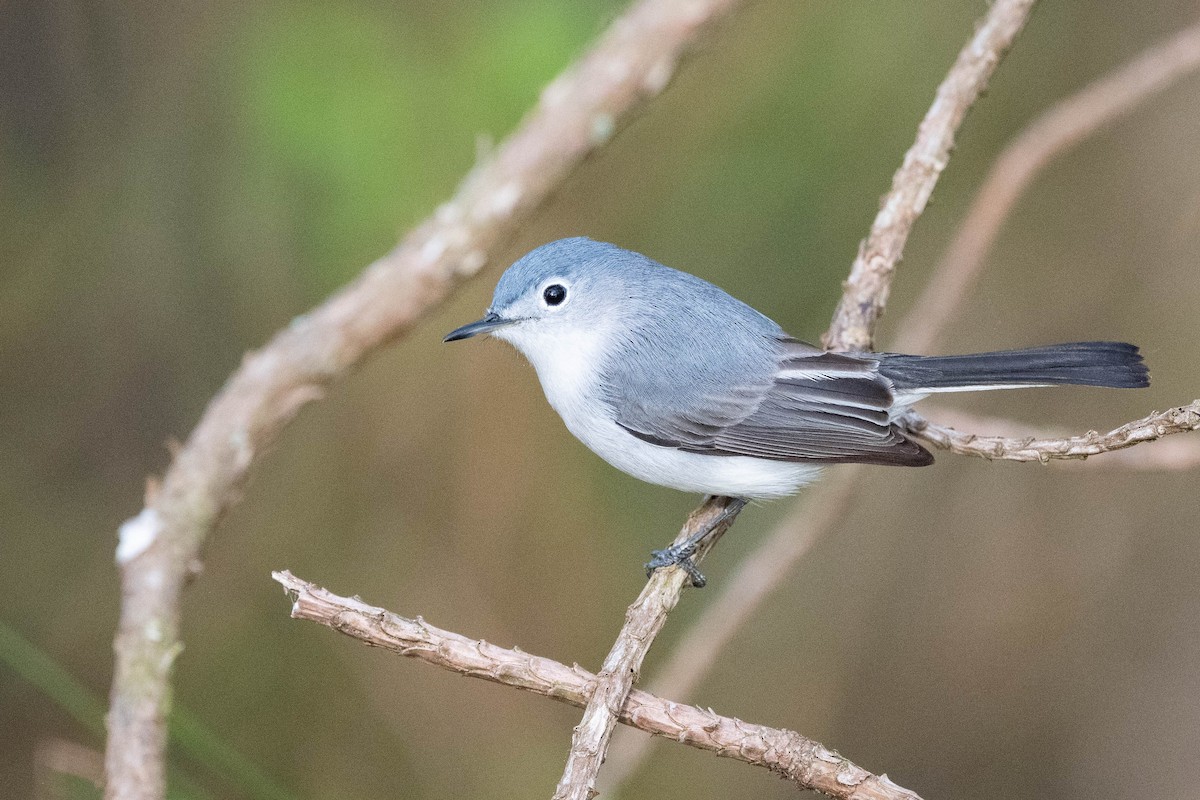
(676, 556)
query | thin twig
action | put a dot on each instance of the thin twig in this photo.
(741, 595)
(643, 621)
(1060, 128)
(1175, 454)
(799, 759)
(1000, 448)
(765, 568)
(865, 292)
(577, 113)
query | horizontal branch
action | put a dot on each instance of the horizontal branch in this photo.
(1031, 448)
(797, 758)
(1176, 453)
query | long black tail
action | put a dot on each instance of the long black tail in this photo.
(1113, 364)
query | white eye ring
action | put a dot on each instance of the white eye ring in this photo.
(554, 293)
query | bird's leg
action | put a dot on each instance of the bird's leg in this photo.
(681, 554)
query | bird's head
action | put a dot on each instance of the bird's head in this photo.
(560, 295)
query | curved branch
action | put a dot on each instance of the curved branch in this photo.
(1000, 448)
(643, 621)
(1060, 128)
(864, 296)
(806, 763)
(576, 114)
(1049, 135)
(865, 292)
(1177, 453)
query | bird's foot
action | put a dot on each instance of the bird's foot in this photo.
(678, 555)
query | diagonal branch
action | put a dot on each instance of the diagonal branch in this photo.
(865, 292)
(577, 113)
(740, 596)
(806, 763)
(643, 621)
(1055, 131)
(1060, 128)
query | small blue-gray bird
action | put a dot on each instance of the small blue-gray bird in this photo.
(670, 379)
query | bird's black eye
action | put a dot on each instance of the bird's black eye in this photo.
(554, 294)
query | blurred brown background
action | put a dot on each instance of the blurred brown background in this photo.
(176, 182)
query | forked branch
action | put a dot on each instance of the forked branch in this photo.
(643, 621)
(577, 113)
(801, 760)
(1051, 134)
(864, 297)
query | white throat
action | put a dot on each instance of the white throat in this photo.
(567, 360)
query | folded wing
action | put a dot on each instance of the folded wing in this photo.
(818, 406)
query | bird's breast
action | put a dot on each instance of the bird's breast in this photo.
(568, 363)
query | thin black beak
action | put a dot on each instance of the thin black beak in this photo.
(489, 323)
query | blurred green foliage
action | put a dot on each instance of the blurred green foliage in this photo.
(177, 182)
(370, 117)
(193, 738)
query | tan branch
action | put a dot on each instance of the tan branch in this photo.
(865, 292)
(799, 759)
(1174, 454)
(632, 62)
(740, 597)
(643, 621)
(774, 559)
(1058, 129)
(1000, 448)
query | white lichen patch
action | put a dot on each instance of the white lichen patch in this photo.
(557, 91)
(504, 202)
(136, 534)
(433, 249)
(658, 76)
(243, 451)
(448, 213)
(602, 129)
(471, 263)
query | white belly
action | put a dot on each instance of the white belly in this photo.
(733, 476)
(565, 373)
